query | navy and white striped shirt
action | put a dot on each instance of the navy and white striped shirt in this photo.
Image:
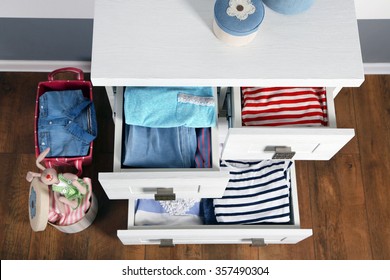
(257, 192)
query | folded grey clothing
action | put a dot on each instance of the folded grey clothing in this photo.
(159, 147)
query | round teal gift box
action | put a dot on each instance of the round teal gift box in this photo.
(236, 22)
(288, 7)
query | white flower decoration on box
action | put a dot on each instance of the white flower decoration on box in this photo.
(240, 9)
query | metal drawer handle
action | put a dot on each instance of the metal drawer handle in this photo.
(166, 243)
(258, 242)
(165, 194)
(283, 152)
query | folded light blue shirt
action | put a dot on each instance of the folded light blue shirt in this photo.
(163, 107)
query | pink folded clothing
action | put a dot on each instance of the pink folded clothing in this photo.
(284, 106)
(61, 214)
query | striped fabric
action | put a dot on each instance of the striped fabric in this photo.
(68, 216)
(287, 106)
(203, 148)
(257, 192)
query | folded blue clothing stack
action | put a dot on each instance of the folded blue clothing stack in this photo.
(163, 107)
(168, 127)
(159, 147)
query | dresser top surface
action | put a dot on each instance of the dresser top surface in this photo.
(171, 42)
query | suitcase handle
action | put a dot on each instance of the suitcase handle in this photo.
(78, 164)
(79, 72)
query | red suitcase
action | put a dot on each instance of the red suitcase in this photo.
(59, 85)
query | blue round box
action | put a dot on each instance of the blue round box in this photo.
(288, 7)
(233, 27)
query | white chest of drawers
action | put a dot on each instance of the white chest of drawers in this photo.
(171, 43)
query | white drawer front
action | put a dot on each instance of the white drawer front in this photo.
(308, 143)
(185, 184)
(219, 234)
(253, 143)
(214, 235)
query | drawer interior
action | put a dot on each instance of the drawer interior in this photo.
(296, 142)
(128, 182)
(199, 220)
(200, 233)
(122, 130)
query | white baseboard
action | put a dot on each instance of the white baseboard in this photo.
(50, 65)
(41, 65)
(376, 68)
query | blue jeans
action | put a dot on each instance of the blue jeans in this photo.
(66, 123)
(159, 147)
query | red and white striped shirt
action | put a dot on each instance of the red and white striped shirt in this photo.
(284, 106)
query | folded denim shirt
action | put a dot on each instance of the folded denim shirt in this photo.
(66, 123)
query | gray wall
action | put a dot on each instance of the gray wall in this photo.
(71, 39)
(375, 40)
(45, 39)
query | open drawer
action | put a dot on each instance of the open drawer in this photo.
(259, 234)
(298, 143)
(160, 183)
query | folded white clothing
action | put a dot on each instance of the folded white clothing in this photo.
(144, 218)
(176, 212)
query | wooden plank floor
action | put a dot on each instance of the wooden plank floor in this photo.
(346, 201)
